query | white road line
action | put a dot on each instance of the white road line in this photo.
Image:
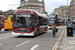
(72, 43)
(34, 47)
(0, 44)
(5, 37)
(22, 43)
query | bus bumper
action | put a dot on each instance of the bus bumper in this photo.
(23, 34)
(51, 27)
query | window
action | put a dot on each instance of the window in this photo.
(28, 3)
(27, 0)
(25, 3)
(36, 9)
(36, 4)
(5, 18)
(43, 21)
(33, 3)
(40, 0)
(22, 20)
(11, 19)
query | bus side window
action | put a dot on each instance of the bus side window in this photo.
(34, 20)
(41, 22)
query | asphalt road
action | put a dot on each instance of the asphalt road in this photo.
(42, 42)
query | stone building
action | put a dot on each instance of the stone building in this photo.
(9, 12)
(72, 8)
(37, 5)
(62, 11)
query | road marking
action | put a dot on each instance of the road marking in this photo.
(23, 43)
(0, 44)
(34, 47)
(57, 42)
(5, 37)
(72, 43)
(59, 39)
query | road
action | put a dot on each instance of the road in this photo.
(42, 42)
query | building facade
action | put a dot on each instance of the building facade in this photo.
(62, 11)
(9, 12)
(37, 5)
(72, 8)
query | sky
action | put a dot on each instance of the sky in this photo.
(50, 5)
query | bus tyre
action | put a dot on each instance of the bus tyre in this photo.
(35, 34)
(45, 29)
(57, 30)
(38, 32)
(6, 29)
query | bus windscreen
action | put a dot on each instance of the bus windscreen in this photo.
(22, 20)
(5, 18)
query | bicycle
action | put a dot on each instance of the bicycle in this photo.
(54, 32)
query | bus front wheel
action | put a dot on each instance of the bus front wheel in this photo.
(36, 33)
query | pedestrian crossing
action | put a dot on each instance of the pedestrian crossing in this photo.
(69, 43)
(62, 27)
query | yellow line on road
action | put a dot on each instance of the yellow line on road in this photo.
(57, 42)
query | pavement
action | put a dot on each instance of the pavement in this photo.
(68, 43)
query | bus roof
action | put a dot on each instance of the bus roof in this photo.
(29, 11)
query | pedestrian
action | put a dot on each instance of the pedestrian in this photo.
(70, 23)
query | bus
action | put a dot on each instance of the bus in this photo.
(1, 20)
(1, 23)
(53, 20)
(7, 22)
(64, 21)
(27, 22)
(60, 21)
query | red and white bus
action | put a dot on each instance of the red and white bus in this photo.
(53, 20)
(27, 22)
(1, 20)
(60, 22)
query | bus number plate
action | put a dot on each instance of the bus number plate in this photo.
(21, 33)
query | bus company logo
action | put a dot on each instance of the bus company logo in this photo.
(20, 28)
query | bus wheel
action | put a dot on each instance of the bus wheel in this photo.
(38, 32)
(6, 29)
(45, 29)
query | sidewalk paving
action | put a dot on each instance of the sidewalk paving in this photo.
(68, 42)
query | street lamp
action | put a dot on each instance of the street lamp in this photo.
(67, 12)
(24, 3)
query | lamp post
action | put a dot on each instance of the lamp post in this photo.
(67, 12)
(24, 3)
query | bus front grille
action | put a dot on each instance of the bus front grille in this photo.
(22, 30)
